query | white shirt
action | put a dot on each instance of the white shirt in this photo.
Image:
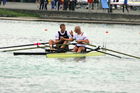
(81, 36)
(57, 34)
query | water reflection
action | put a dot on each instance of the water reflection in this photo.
(78, 59)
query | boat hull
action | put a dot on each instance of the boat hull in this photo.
(73, 55)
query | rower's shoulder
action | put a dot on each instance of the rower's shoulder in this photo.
(84, 34)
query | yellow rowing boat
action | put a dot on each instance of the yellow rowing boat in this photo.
(72, 55)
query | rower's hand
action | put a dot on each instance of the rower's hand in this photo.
(62, 38)
(79, 41)
(71, 33)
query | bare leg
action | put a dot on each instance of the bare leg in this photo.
(65, 43)
(75, 49)
(51, 43)
(80, 49)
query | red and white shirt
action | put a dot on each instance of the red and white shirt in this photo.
(81, 36)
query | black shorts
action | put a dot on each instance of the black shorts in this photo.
(59, 44)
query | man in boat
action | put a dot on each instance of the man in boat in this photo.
(62, 38)
(81, 40)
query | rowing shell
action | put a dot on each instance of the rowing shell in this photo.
(72, 55)
(61, 55)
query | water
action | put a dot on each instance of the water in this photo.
(38, 74)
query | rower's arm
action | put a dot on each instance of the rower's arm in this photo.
(69, 39)
(83, 41)
(56, 41)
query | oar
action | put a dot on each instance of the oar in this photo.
(23, 45)
(93, 49)
(103, 52)
(24, 48)
(116, 51)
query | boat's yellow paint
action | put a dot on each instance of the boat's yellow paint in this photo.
(72, 55)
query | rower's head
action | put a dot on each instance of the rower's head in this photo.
(62, 27)
(77, 30)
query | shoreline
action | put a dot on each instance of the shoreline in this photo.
(75, 17)
(68, 21)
